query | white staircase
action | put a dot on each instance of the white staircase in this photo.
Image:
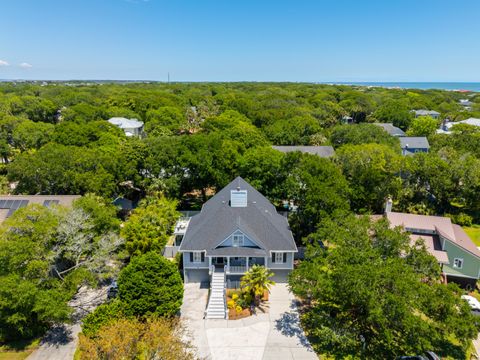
(216, 308)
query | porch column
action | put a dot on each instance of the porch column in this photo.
(209, 262)
(247, 263)
(266, 262)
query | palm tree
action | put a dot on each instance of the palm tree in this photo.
(256, 281)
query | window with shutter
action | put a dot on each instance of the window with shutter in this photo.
(197, 257)
(278, 257)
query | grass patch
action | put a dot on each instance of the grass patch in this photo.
(474, 233)
(18, 350)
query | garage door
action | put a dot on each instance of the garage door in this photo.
(196, 276)
(281, 276)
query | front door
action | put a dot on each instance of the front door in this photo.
(219, 261)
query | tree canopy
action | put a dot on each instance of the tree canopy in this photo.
(374, 296)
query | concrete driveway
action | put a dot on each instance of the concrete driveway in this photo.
(275, 334)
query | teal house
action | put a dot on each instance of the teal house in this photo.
(457, 255)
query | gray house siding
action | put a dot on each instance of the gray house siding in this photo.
(187, 263)
(286, 265)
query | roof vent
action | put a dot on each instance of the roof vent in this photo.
(238, 198)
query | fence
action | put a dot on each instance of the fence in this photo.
(170, 251)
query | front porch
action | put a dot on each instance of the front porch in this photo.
(235, 265)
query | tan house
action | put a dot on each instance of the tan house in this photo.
(457, 255)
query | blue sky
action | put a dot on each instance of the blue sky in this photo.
(242, 40)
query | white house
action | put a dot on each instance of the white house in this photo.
(131, 127)
(422, 112)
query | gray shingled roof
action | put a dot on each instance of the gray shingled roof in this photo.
(423, 112)
(392, 130)
(259, 220)
(414, 142)
(322, 151)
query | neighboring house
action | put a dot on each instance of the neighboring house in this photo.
(392, 130)
(446, 127)
(411, 144)
(236, 228)
(432, 113)
(322, 151)
(467, 104)
(457, 255)
(10, 203)
(347, 120)
(131, 127)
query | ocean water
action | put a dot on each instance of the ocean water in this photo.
(454, 86)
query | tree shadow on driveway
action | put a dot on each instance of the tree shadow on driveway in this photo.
(58, 335)
(289, 325)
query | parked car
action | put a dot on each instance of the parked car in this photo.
(432, 356)
(112, 290)
(473, 302)
(429, 355)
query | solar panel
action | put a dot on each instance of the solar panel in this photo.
(16, 204)
(2, 204)
(23, 203)
(47, 203)
(8, 204)
(10, 212)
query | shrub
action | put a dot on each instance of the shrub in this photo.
(231, 304)
(461, 219)
(150, 284)
(101, 316)
(132, 339)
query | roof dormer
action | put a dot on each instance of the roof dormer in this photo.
(238, 198)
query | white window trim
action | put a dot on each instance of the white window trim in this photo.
(237, 240)
(279, 258)
(456, 266)
(197, 257)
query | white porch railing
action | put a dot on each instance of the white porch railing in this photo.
(234, 269)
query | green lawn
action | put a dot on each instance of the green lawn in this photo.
(474, 233)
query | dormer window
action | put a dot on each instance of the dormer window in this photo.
(237, 240)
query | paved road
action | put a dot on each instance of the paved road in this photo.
(61, 342)
(476, 344)
(275, 334)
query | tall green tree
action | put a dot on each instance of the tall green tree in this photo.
(150, 225)
(150, 285)
(423, 126)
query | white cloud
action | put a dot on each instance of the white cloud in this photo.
(25, 65)
(4, 63)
